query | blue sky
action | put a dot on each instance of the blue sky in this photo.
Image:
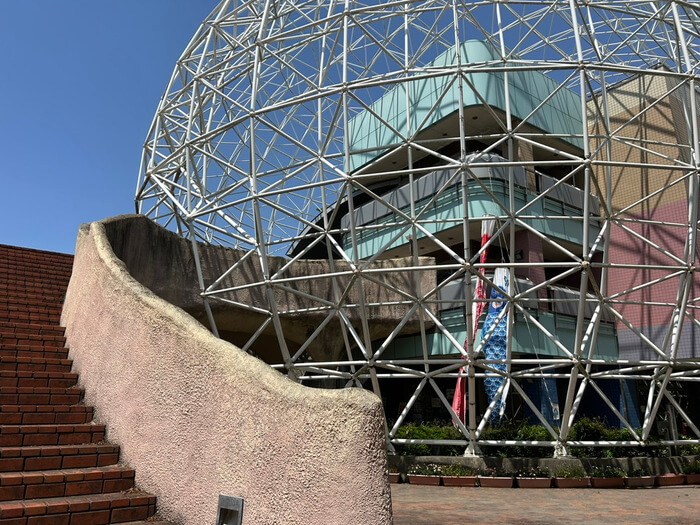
(80, 83)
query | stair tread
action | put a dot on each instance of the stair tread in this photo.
(20, 343)
(29, 408)
(35, 360)
(40, 326)
(60, 428)
(82, 503)
(62, 450)
(40, 390)
(71, 474)
(37, 373)
(51, 434)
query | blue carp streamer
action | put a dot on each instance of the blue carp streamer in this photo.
(497, 344)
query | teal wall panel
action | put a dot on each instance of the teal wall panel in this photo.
(527, 90)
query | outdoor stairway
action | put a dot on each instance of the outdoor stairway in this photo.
(55, 467)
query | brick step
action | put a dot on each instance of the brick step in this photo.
(35, 282)
(35, 286)
(31, 292)
(38, 379)
(14, 316)
(21, 251)
(19, 312)
(16, 259)
(31, 315)
(15, 255)
(68, 482)
(24, 255)
(44, 269)
(28, 305)
(33, 351)
(33, 435)
(27, 317)
(11, 338)
(45, 414)
(7, 327)
(56, 287)
(17, 299)
(38, 294)
(25, 270)
(32, 262)
(35, 364)
(115, 507)
(24, 338)
(13, 395)
(46, 457)
(19, 264)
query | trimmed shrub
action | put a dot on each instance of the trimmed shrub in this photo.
(434, 430)
(521, 431)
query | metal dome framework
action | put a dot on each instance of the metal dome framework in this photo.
(259, 144)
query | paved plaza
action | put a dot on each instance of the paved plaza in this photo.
(415, 504)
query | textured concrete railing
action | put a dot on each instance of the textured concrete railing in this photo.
(163, 262)
(197, 417)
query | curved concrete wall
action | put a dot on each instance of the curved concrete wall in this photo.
(197, 417)
(163, 262)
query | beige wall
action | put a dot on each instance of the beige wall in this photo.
(197, 417)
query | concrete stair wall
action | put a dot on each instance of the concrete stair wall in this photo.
(55, 467)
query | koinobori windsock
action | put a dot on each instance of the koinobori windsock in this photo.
(488, 225)
(496, 330)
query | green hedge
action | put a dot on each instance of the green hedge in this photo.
(433, 430)
(596, 429)
(585, 429)
(519, 431)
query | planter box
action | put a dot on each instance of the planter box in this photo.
(496, 482)
(534, 483)
(666, 480)
(639, 482)
(692, 479)
(419, 479)
(571, 483)
(394, 477)
(607, 483)
(459, 481)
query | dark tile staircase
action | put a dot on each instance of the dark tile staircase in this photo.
(55, 467)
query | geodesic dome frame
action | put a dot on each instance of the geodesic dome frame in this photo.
(378, 138)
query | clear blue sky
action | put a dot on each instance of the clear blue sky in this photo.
(79, 85)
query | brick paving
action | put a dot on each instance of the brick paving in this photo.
(414, 504)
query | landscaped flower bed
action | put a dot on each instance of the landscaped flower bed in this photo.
(639, 478)
(458, 476)
(692, 472)
(534, 478)
(546, 472)
(428, 474)
(571, 478)
(495, 478)
(667, 480)
(607, 477)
